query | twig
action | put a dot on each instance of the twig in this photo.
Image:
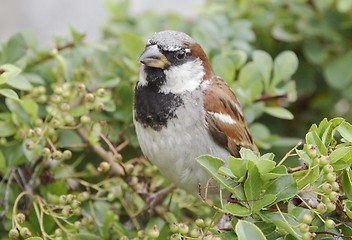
(102, 153)
(59, 49)
(267, 97)
(289, 153)
(333, 234)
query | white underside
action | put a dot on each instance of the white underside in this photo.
(174, 148)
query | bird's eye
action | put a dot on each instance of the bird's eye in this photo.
(180, 55)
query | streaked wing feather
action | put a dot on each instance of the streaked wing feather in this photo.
(225, 119)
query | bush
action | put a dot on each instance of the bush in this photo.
(70, 167)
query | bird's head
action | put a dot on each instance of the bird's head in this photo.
(174, 62)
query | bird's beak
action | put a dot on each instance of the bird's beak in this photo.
(152, 57)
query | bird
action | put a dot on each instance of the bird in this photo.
(183, 110)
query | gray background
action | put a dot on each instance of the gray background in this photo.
(51, 17)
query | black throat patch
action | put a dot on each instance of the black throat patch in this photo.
(153, 108)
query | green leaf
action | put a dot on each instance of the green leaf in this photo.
(285, 65)
(34, 238)
(264, 201)
(252, 185)
(30, 106)
(279, 112)
(347, 183)
(338, 72)
(212, 165)
(248, 231)
(19, 82)
(283, 188)
(7, 129)
(265, 166)
(94, 134)
(15, 48)
(238, 167)
(282, 221)
(348, 207)
(9, 93)
(10, 71)
(2, 162)
(223, 66)
(342, 154)
(237, 209)
(264, 63)
(133, 44)
(345, 129)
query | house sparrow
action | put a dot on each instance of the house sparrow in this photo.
(182, 110)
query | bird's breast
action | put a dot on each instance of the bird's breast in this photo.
(175, 146)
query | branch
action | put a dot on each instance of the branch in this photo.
(59, 49)
(266, 97)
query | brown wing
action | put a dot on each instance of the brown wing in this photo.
(225, 119)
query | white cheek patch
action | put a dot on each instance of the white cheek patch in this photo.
(223, 118)
(182, 78)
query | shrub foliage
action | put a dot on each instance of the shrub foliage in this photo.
(70, 166)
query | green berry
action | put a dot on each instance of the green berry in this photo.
(101, 92)
(323, 160)
(67, 154)
(65, 107)
(25, 233)
(330, 207)
(195, 233)
(70, 198)
(58, 90)
(83, 196)
(81, 87)
(330, 224)
(307, 218)
(308, 236)
(89, 97)
(175, 236)
(321, 207)
(75, 204)
(55, 123)
(20, 217)
(69, 120)
(183, 228)
(111, 197)
(63, 199)
(46, 152)
(57, 155)
(66, 211)
(311, 151)
(153, 232)
(174, 228)
(77, 224)
(335, 186)
(333, 196)
(328, 168)
(331, 177)
(30, 145)
(13, 234)
(56, 99)
(99, 106)
(58, 232)
(326, 188)
(303, 227)
(104, 167)
(85, 119)
(200, 222)
(37, 131)
(141, 234)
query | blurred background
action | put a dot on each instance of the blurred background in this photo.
(51, 17)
